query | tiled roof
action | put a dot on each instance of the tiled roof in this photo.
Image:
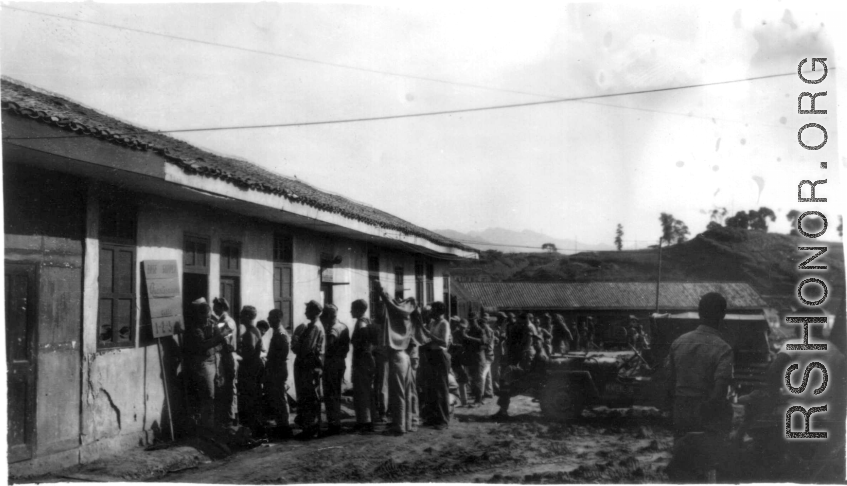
(72, 117)
(605, 295)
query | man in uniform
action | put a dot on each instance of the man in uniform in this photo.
(561, 335)
(475, 340)
(399, 332)
(308, 343)
(226, 393)
(766, 407)
(700, 371)
(499, 332)
(203, 343)
(276, 373)
(529, 374)
(337, 347)
(365, 340)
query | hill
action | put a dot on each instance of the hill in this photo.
(525, 241)
(766, 261)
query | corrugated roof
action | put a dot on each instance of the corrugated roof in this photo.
(606, 295)
(65, 114)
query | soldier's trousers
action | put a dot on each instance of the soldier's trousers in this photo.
(364, 395)
(333, 377)
(399, 390)
(275, 386)
(380, 382)
(305, 385)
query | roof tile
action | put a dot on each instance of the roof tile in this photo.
(606, 295)
(75, 118)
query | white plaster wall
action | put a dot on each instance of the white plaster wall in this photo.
(162, 226)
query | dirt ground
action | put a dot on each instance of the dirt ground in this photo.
(605, 446)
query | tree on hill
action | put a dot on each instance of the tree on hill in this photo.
(740, 220)
(791, 216)
(758, 220)
(619, 237)
(811, 223)
(549, 247)
(840, 225)
(752, 219)
(717, 215)
(673, 230)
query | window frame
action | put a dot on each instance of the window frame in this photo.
(283, 260)
(131, 295)
(122, 205)
(194, 268)
(399, 282)
(373, 278)
(226, 270)
(420, 289)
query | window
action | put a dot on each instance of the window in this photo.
(373, 279)
(398, 283)
(419, 282)
(230, 275)
(117, 304)
(430, 284)
(195, 255)
(283, 254)
(230, 258)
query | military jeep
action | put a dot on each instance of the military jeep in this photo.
(622, 379)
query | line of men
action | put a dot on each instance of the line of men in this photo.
(238, 372)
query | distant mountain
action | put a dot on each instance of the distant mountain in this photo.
(518, 241)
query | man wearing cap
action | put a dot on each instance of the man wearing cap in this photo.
(276, 373)
(399, 331)
(335, 364)
(203, 342)
(226, 394)
(308, 343)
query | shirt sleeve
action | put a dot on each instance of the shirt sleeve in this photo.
(723, 371)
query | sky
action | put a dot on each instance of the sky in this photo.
(571, 169)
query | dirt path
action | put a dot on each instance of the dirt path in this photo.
(605, 446)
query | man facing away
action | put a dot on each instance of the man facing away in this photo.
(700, 372)
(337, 347)
(365, 340)
(525, 377)
(399, 332)
(276, 373)
(308, 343)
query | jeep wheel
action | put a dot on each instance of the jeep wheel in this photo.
(561, 402)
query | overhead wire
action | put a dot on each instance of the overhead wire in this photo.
(551, 99)
(430, 113)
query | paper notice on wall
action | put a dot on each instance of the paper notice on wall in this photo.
(163, 296)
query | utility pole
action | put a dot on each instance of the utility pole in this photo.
(659, 276)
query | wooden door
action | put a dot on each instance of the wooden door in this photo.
(232, 293)
(20, 359)
(282, 288)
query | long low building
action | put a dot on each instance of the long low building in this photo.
(610, 303)
(96, 210)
